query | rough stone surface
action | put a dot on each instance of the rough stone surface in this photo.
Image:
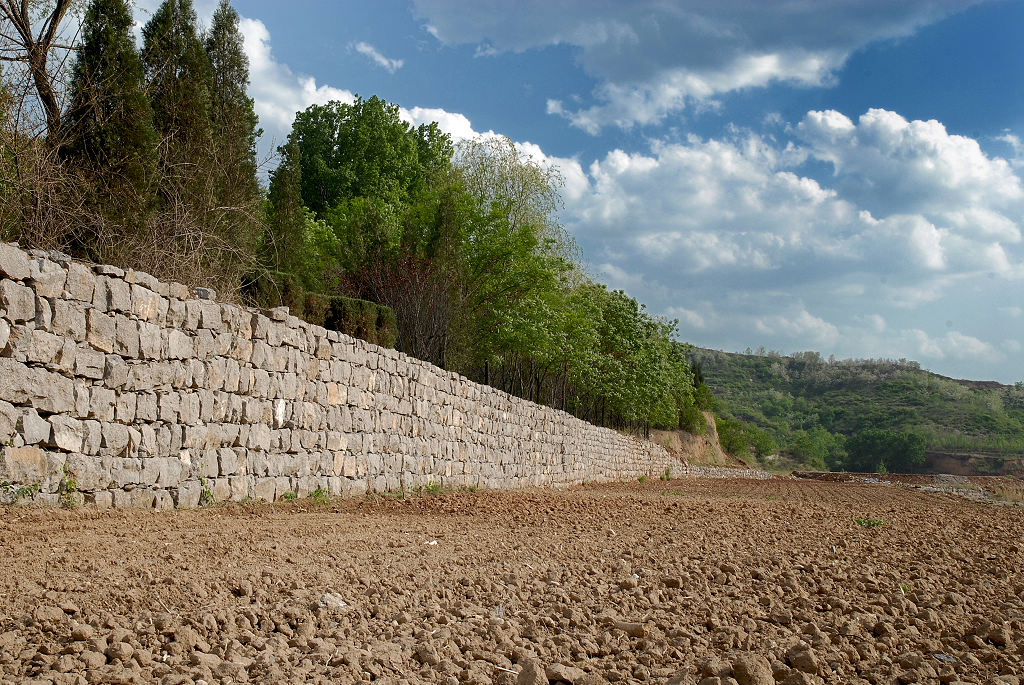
(18, 302)
(81, 283)
(100, 330)
(163, 400)
(33, 428)
(47, 278)
(13, 262)
(23, 465)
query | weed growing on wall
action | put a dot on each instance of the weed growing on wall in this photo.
(206, 495)
(11, 494)
(68, 487)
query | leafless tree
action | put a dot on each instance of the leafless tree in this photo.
(30, 31)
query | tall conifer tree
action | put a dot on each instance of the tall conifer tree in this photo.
(179, 81)
(235, 130)
(284, 246)
(110, 122)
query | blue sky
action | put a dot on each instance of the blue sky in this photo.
(842, 176)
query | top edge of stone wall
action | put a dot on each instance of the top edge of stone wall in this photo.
(43, 269)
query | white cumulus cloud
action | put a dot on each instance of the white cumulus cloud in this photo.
(745, 242)
(801, 325)
(652, 58)
(278, 92)
(388, 64)
(798, 261)
(889, 164)
(953, 344)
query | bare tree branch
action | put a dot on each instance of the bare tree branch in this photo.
(34, 50)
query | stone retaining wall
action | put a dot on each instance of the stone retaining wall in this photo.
(122, 390)
(695, 471)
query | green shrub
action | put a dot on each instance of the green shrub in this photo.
(432, 488)
(366, 320)
(869, 522)
(316, 306)
(692, 419)
(293, 296)
(68, 488)
(703, 398)
(369, 321)
(338, 316)
(732, 437)
(372, 322)
(275, 289)
(387, 327)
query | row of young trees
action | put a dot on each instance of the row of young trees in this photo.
(136, 157)
(146, 158)
(462, 242)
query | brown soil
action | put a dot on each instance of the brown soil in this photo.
(697, 449)
(718, 582)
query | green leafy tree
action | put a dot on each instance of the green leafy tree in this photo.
(466, 248)
(875, 448)
(386, 191)
(817, 447)
(420, 277)
(364, 149)
(283, 247)
(110, 126)
(519, 293)
(732, 436)
(764, 443)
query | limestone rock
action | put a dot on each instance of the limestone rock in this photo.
(13, 262)
(26, 465)
(19, 301)
(33, 428)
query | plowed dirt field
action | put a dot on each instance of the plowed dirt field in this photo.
(713, 582)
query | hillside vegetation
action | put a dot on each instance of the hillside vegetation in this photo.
(820, 413)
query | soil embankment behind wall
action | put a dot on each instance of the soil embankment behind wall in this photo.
(703, 449)
(973, 464)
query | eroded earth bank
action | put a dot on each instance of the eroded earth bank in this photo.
(680, 581)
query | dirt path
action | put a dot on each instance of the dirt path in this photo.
(764, 582)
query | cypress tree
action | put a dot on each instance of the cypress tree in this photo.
(8, 216)
(110, 121)
(179, 82)
(284, 244)
(235, 130)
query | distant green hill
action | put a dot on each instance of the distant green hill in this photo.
(807, 411)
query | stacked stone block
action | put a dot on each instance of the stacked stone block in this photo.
(141, 394)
